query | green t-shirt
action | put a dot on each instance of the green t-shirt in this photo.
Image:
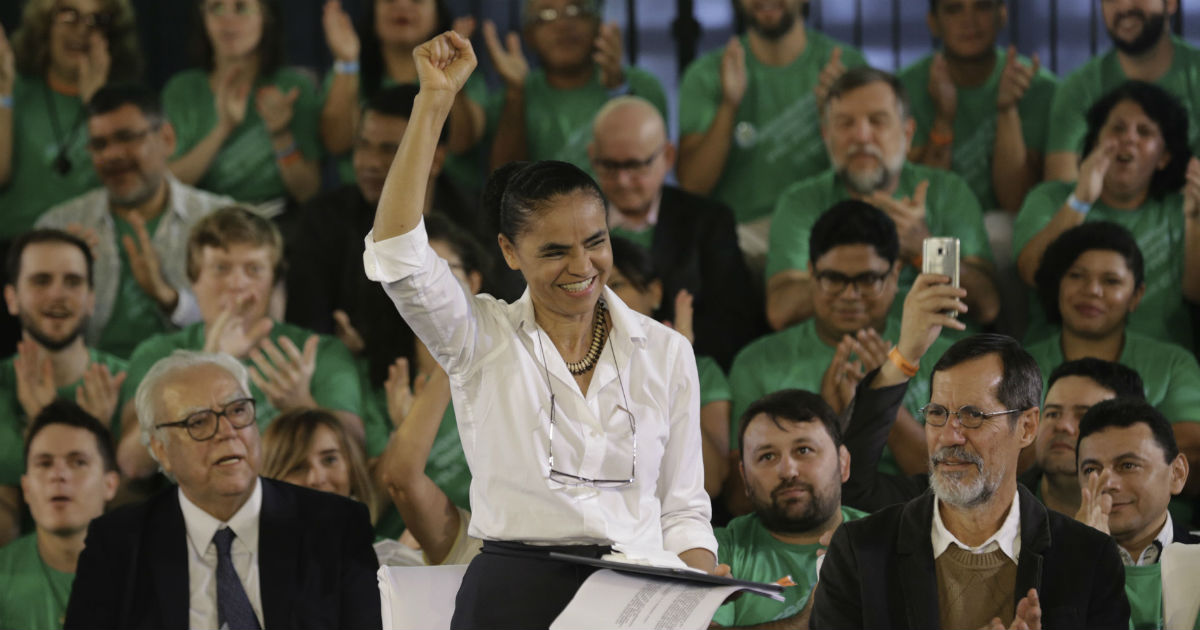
(135, 315)
(796, 357)
(34, 186)
(975, 120)
(644, 238)
(1079, 91)
(558, 123)
(33, 596)
(466, 170)
(245, 167)
(714, 387)
(1158, 227)
(752, 553)
(777, 133)
(1143, 589)
(334, 384)
(950, 210)
(13, 421)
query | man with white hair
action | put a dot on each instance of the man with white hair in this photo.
(692, 240)
(228, 548)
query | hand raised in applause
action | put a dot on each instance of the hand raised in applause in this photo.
(909, 216)
(100, 392)
(145, 265)
(284, 372)
(340, 35)
(1015, 80)
(733, 72)
(608, 56)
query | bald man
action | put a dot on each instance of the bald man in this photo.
(692, 240)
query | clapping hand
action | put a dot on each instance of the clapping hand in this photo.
(733, 72)
(608, 56)
(909, 216)
(942, 89)
(8, 65)
(229, 98)
(684, 316)
(145, 265)
(829, 74)
(1093, 170)
(88, 234)
(1191, 190)
(1028, 617)
(339, 32)
(1095, 504)
(35, 378)
(284, 373)
(400, 394)
(1015, 80)
(275, 107)
(347, 333)
(232, 334)
(94, 66)
(509, 61)
(100, 392)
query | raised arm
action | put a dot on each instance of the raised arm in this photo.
(443, 64)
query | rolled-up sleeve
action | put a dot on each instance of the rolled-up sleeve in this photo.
(686, 509)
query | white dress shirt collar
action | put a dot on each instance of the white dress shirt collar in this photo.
(1007, 538)
(201, 526)
(1153, 551)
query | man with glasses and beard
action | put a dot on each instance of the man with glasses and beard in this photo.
(979, 550)
(748, 113)
(51, 294)
(137, 224)
(793, 463)
(1143, 49)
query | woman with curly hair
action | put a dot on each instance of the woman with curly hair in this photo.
(63, 52)
(246, 125)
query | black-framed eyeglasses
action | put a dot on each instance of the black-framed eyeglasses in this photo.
(970, 416)
(868, 283)
(571, 11)
(203, 425)
(123, 137)
(576, 480)
(633, 167)
(70, 16)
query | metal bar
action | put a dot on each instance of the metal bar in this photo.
(631, 31)
(686, 31)
(1054, 34)
(896, 34)
(858, 24)
(1093, 36)
(1014, 24)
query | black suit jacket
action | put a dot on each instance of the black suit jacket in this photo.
(695, 248)
(317, 568)
(879, 571)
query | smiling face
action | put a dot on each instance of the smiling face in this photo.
(967, 28)
(564, 254)
(1097, 294)
(240, 277)
(235, 27)
(565, 44)
(772, 19)
(405, 23)
(65, 483)
(325, 468)
(1066, 402)
(213, 473)
(51, 296)
(130, 152)
(1141, 481)
(1141, 151)
(968, 467)
(793, 473)
(1136, 26)
(867, 137)
(855, 307)
(70, 35)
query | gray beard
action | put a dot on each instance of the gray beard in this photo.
(953, 491)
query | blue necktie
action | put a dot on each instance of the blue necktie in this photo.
(233, 606)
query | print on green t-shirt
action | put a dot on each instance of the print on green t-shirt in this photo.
(752, 553)
(975, 120)
(135, 315)
(1157, 226)
(776, 138)
(245, 167)
(43, 123)
(33, 596)
(1143, 589)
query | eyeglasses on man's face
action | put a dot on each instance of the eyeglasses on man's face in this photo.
(606, 167)
(121, 138)
(70, 16)
(203, 425)
(970, 416)
(572, 11)
(869, 283)
(569, 479)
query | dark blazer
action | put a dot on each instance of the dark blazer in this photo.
(879, 571)
(317, 568)
(696, 248)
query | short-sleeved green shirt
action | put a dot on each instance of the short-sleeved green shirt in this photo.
(245, 167)
(777, 133)
(334, 384)
(1158, 226)
(558, 123)
(1091, 81)
(34, 186)
(714, 387)
(13, 421)
(1143, 589)
(752, 553)
(951, 209)
(975, 120)
(135, 315)
(33, 596)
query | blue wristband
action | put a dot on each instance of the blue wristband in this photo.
(345, 67)
(1078, 206)
(281, 154)
(6, 101)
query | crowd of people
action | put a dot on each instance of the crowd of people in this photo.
(218, 417)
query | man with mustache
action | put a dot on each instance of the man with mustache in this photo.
(973, 548)
(867, 131)
(137, 224)
(748, 113)
(793, 463)
(1143, 49)
(52, 296)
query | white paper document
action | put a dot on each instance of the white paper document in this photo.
(619, 600)
(419, 598)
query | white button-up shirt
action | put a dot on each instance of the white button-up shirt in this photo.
(1007, 538)
(498, 358)
(1151, 553)
(202, 557)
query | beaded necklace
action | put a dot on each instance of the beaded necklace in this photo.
(599, 336)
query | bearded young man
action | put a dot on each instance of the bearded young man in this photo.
(793, 463)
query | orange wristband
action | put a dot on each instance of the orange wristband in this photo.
(918, 261)
(898, 360)
(941, 139)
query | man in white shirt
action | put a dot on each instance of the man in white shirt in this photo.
(978, 550)
(228, 548)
